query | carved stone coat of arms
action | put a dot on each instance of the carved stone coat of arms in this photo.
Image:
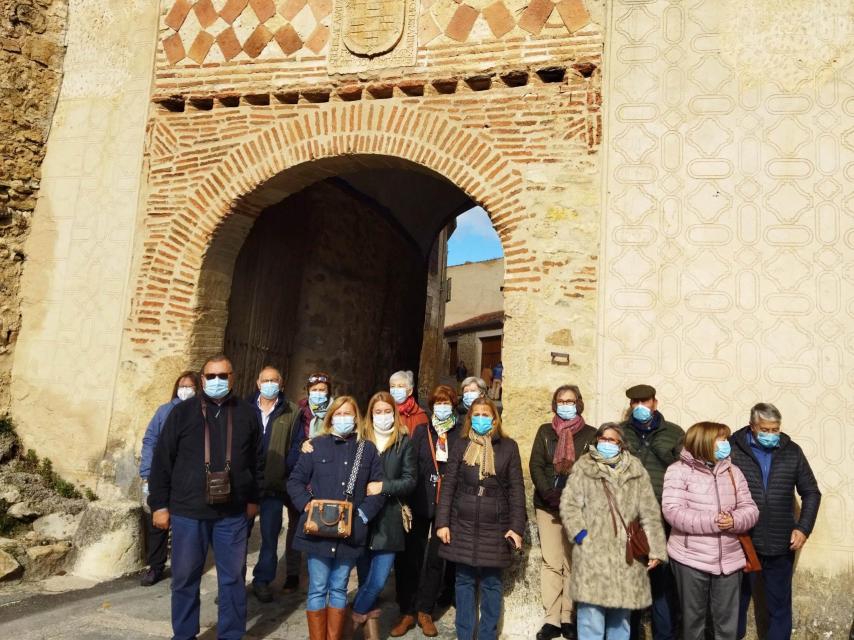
(373, 34)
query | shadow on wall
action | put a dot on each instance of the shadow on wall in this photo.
(325, 282)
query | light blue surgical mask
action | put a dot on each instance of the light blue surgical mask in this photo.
(481, 425)
(641, 413)
(608, 450)
(469, 397)
(317, 398)
(269, 390)
(442, 411)
(343, 425)
(566, 411)
(768, 440)
(216, 388)
(399, 394)
(722, 449)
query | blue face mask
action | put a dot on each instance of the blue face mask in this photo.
(317, 398)
(608, 450)
(641, 413)
(481, 425)
(216, 388)
(269, 390)
(442, 411)
(722, 449)
(343, 425)
(566, 411)
(469, 397)
(399, 394)
(768, 440)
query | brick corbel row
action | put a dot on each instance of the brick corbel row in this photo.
(383, 89)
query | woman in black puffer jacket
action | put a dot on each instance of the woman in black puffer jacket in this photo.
(481, 516)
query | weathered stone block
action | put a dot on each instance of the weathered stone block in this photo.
(9, 567)
(23, 511)
(45, 560)
(59, 526)
(107, 543)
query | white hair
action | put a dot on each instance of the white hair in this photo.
(478, 381)
(403, 376)
(766, 412)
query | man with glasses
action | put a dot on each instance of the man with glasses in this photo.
(775, 467)
(279, 420)
(657, 443)
(205, 481)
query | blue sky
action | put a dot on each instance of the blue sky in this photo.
(474, 239)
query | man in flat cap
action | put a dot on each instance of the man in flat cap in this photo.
(657, 443)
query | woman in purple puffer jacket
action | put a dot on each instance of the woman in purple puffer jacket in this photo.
(707, 502)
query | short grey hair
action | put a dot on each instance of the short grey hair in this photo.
(403, 376)
(766, 412)
(474, 379)
(613, 426)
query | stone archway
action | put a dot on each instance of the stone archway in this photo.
(193, 233)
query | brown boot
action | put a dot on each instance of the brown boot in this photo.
(336, 623)
(316, 624)
(425, 621)
(403, 625)
(372, 629)
(359, 621)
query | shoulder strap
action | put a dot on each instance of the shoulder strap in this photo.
(613, 507)
(734, 488)
(208, 437)
(351, 484)
(432, 448)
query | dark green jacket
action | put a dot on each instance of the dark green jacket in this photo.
(399, 472)
(282, 426)
(541, 464)
(656, 450)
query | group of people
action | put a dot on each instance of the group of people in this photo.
(438, 496)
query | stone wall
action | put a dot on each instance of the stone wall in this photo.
(32, 48)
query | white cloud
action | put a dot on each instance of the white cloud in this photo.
(475, 223)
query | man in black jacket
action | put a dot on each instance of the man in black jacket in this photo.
(178, 496)
(775, 467)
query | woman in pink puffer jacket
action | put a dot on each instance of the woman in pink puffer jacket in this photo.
(707, 502)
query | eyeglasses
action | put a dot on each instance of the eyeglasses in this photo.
(318, 378)
(221, 376)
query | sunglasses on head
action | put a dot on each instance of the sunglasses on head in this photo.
(221, 376)
(316, 379)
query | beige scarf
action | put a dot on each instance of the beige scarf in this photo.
(479, 452)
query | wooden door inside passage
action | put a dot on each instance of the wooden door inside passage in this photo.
(490, 351)
(453, 358)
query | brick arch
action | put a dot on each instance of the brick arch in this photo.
(185, 273)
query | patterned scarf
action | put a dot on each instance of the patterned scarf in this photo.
(442, 427)
(565, 453)
(611, 466)
(479, 452)
(318, 413)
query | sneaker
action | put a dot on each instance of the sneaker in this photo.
(548, 632)
(569, 631)
(291, 584)
(262, 592)
(151, 577)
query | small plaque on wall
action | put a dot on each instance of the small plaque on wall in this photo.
(373, 34)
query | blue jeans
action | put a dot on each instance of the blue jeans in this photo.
(191, 539)
(327, 578)
(665, 605)
(491, 590)
(373, 569)
(777, 579)
(270, 517)
(595, 623)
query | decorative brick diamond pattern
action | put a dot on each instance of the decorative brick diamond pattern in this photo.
(295, 28)
(213, 31)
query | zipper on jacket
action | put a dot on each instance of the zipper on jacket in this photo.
(720, 533)
(477, 522)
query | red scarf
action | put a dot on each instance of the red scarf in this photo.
(564, 456)
(408, 406)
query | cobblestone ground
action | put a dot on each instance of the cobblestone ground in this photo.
(121, 609)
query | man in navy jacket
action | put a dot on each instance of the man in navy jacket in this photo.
(177, 496)
(775, 467)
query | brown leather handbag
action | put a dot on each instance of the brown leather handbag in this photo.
(637, 544)
(751, 564)
(334, 518)
(217, 483)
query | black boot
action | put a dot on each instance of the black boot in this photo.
(548, 632)
(569, 631)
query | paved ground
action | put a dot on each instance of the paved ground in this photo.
(121, 609)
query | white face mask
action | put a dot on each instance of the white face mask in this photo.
(185, 393)
(383, 422)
